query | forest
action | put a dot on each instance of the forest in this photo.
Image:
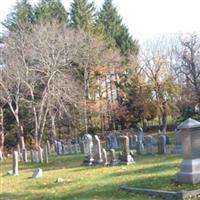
(66, 73)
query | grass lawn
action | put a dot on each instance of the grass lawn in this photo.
(92, 183)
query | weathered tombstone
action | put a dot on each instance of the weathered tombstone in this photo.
(55, 146)
(88, 149)
(48, 147)
(190, 140)
(177, 147)
(24, 155)
(97, 150)
(40, 155)
(77, 148)
(73, 150)
(59, 180)
(139, 147)
(149, 144)
(135, 139)
(63, 148)
(131, 142)
(104, 157)
(141, 135)
(59, 148)
(36, 155)
(81, 146)
(111, 141)
(37, 173)
(162, 144)
(46, 155)
(69, 144)
(126, 157)
(15, 171)
(113, 159)
(32, 155)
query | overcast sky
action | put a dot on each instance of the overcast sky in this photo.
(145, 18)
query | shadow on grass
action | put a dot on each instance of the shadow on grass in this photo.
(161, 182)
(95, 192)
(55, 162)
(147, 170)
(13, 196)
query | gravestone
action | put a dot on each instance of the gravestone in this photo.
(104, 157)
(190, 140)
(111, 141)
(81, 147)
(55, 146)
(59, 180)
(177, 147)
(36, 155)
(97, 150)
(46, 154)
(24, 155)
(15, 170)
(69, 144)
(131, 144)
(63, 148)
(32, 155)
(139, 147)
(88, 149)
(162, 144)
(73, 150)
(37, 173)
(149, 144)
(77, 148)
(140, 134)
(59, 148)
(113, 159)
(135, 139)
(125, 158)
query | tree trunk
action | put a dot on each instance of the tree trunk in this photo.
(21, 136)
(86, 98)
(164, 117)
(2, 136)
(53, 126)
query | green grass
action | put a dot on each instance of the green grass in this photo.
(90, 183)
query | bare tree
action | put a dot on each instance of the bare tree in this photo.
(154, 59)
(45, 61)
(11, 84)
(2, 135)
(188, 64)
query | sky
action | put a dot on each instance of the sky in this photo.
(144, 18)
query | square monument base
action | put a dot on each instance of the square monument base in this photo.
(190, 172)
(177, 149)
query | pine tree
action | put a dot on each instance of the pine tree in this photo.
(82, 14)
(22, 12)
(109, 24)
(51, 10)
(125, 42)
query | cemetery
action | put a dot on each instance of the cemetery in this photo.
(91, 111)
(115, 168)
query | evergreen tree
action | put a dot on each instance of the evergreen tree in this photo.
(125, 42)
(82, 14)
(109, 23)
(22, 12)
(51, 9)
